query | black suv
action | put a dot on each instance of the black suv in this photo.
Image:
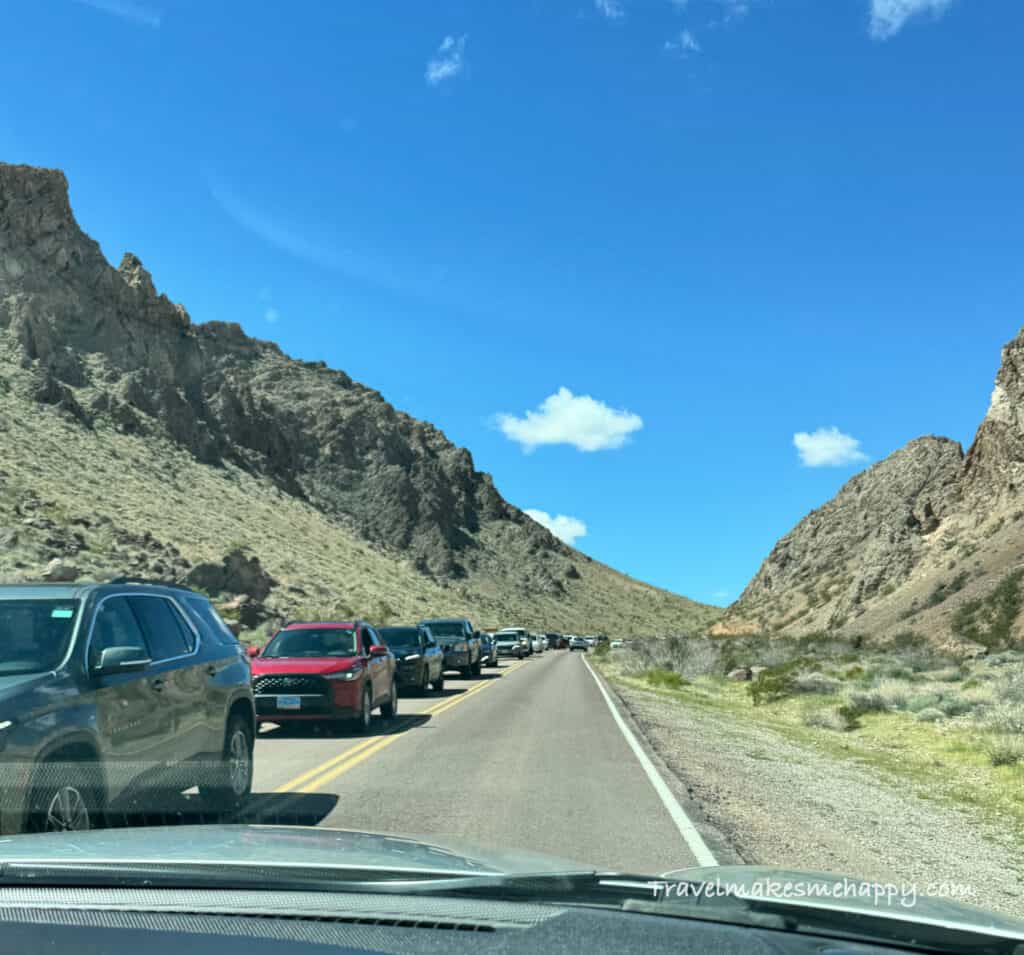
(112, 695)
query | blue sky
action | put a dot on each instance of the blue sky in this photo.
(679, 233)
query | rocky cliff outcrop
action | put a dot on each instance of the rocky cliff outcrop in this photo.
(907, 540)
(108, 347)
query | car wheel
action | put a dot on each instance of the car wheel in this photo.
(232, 782)
(425, 684)
(466, 672)
(61, 805)
(439, 683)
(477, 667)
(389, 710)
(365, 717)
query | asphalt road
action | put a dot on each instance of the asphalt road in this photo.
(526, 757)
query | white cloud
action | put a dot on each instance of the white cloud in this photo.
(612, 9)
(126, 10)
(827, 448)
(685, 44)
(448, 62)
(567, 529)
(888, 16)
(565, 418)
(271, 315)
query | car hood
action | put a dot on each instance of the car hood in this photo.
(262, 666)
(838, 893)
(261, 845)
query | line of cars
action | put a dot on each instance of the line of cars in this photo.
(116, 696)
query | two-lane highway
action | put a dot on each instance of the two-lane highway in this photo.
(529, 756)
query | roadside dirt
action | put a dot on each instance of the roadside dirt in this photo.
(788, 805)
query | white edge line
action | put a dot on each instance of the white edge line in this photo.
(684, 824)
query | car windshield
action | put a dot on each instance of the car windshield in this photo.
(34, 634)
(447, 630)
(751, 275)
(400, 636)
(335, 642)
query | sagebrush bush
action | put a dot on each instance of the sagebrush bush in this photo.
(1005, 750)
(866, 701)
(664, 679)
(923, 701)
(930, 714)
(827, 718)
(894, 693)
(816, 682)
(1004, 718)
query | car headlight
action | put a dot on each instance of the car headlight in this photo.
(344, 674)
(460, 647)
(410, 658)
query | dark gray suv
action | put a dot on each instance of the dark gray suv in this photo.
(113, 697)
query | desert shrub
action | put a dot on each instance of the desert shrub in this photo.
(849, 715)
(775, 683)
(854, 672)
(664, 679)
(1005, 750)
(866, 701)
(988, 620)
(945, 675)
(1005, 718)
(815, 683)
(956, 705)
(894, 693)
(827, 718)
(923, 701)
(602, 649)
(930, 714)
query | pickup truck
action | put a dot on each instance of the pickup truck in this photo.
(460, 642)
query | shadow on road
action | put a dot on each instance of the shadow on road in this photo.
(324, 731)
(284, 809)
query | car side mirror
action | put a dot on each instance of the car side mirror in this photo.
(253, 651)
(122, 660)
(378, 651)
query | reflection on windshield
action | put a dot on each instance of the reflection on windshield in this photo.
(312, 643)
(400, 637)
(34, 634)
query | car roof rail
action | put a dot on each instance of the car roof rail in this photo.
(176, 584)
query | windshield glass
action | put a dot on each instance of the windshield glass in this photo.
(34, 634)
(313, 643)
(447, 630)
(751, 276)
(400, 636)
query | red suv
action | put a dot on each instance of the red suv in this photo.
(324, 671)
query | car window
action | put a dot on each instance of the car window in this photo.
(163, 626)
(115, 626)
(210, 620)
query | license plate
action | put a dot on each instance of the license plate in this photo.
(289, 703)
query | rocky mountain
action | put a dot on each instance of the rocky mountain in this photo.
(922, 540)
(139, 441)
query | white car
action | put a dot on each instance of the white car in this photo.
(616, 644)
(539, 642)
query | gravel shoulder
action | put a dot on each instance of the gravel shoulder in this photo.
(784, 803)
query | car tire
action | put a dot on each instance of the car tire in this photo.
(57, 805)
(467, 672)
(424, 687)
(439, 683)
(361, 723)
(477, 667)
(231, 784)
(389, 710)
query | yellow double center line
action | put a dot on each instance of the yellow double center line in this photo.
(318, 777)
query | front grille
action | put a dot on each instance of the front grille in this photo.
(297, 683)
